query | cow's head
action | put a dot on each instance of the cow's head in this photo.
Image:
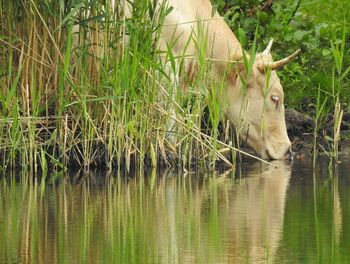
(255, 105)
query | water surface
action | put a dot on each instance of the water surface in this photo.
(255, 214)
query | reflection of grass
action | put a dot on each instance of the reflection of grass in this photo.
(156, 219)
(135, 222)
(164, 218)
(146, 219)
(318, 210)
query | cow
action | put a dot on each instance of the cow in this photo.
(253, 99)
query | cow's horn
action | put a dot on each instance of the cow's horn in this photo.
(278, 64)
(268, 48)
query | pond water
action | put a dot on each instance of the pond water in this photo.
(255, 214)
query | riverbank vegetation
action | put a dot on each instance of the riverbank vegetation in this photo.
(318, 83)
(65, 103)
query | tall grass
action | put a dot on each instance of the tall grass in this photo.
(73, 92)
(332, 103)
(339, 73)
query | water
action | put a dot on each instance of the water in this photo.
(257, 214)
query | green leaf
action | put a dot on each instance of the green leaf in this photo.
(300, 34)
(326, 52)
(242, 36)
(71, 14)
(345, 74)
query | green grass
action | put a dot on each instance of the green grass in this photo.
(64, 103)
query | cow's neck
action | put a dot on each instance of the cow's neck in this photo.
(223, 48)
(224, 45)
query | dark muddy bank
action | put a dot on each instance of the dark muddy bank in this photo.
(301, 129)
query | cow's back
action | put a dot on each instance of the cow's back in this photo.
(196, 19)
(189, 11)
(182, 23)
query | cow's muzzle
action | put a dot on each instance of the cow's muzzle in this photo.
(289, 155)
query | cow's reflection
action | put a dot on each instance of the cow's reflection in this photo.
(256, 213)
(246, 214)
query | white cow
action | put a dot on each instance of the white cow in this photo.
(253, 104)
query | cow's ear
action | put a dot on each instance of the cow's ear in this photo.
(238, 71)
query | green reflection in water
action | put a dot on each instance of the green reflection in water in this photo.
(258, 214)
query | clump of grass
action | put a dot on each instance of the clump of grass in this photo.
(332, 102)
(319, 112)
(75, 94)
(338, 76)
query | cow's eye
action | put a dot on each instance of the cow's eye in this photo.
(275, 99)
